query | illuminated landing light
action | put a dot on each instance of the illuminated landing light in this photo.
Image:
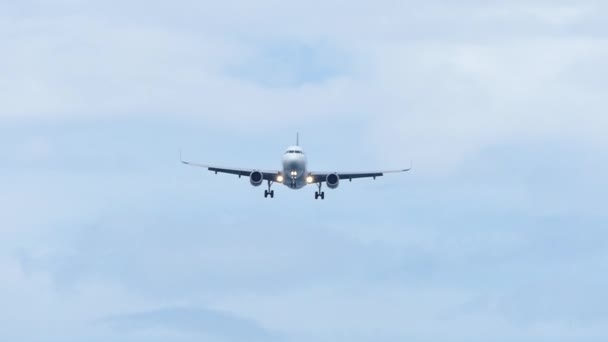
(280, 179)
(309, 179)
(294, 173)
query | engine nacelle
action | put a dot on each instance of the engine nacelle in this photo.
(256, 178)
(332, 180)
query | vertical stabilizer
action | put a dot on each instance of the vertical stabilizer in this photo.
(298, 139)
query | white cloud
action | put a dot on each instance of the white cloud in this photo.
(444, 78)
(452, 100)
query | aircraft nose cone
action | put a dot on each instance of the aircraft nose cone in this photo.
(290, 160)
(292, 164)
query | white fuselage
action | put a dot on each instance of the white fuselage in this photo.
(294, 168)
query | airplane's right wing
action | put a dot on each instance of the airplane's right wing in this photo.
(270, 175)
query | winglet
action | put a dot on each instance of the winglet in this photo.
(180, 157)
(411, 166)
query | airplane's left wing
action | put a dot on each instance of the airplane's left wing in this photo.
(320, 177)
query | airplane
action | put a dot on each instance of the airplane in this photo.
(295, 174)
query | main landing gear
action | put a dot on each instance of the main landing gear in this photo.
(320, 193)
(269, 192)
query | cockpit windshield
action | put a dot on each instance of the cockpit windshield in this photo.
(295, 151)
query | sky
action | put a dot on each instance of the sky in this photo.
(499, 233)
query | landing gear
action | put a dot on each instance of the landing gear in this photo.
(320, 193)
(269, 192)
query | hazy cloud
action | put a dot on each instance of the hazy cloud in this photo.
(209, 323)
(498, 234)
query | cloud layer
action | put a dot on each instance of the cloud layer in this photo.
(499, 234)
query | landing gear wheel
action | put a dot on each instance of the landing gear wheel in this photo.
(269, 192)
(320, 193)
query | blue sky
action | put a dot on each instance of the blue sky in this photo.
(499, 233)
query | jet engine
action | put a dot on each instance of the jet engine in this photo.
(332, 180)
(256, 178)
